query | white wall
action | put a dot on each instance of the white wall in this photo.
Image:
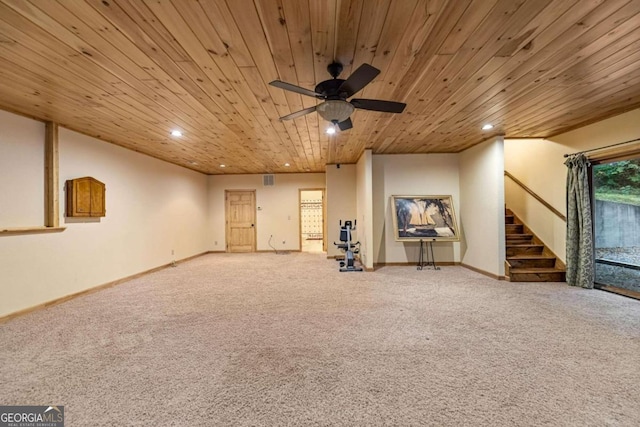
(539, 164)
(311, 195)
(22, 153)
(153, 208)
(411, 174)
(278, 213)
(482, 207)
(364, 191)
(341, 202)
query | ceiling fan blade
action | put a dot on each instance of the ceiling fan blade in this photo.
(294, 88)
(345, 124)
(359, 79)
(299, 113)
(379, 105)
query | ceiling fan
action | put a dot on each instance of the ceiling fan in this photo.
(335, 108)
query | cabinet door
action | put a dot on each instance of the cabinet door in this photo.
(82, 196)
(97, 198)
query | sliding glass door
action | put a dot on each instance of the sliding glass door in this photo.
(616, 187)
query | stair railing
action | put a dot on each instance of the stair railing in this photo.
(535, 196)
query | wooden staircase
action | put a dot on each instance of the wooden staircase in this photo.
(528, 259)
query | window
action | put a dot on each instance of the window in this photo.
(616, 190)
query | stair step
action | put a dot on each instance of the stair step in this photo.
(536, 275)
(527, 261)
(519, 236)
(520, 242)
(531, 261)
(524, 249)
(513, 228)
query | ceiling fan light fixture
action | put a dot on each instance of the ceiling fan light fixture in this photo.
(331, 130)
(335, 111)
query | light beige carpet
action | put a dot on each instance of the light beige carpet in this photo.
(265, 339)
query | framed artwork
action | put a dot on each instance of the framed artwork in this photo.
(418, 218)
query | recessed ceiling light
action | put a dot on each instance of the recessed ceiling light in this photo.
(487, 127)
(287, 165)
(331, 130)
(223, 166)
(176, 133)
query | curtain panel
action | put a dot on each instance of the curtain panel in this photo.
(580, 257)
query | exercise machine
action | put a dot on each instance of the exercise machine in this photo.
(350, 248)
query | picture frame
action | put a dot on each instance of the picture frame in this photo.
(418, 218)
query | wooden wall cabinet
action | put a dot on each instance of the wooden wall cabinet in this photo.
(85, 197)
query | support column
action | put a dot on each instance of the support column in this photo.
(52, 200)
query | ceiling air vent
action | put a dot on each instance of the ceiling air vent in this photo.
(268, 180)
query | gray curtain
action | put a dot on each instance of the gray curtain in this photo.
(580, 269)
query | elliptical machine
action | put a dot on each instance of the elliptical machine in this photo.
(349, 248)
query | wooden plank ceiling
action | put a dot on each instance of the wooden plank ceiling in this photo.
(130, 71)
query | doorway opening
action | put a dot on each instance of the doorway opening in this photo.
(312, 220)
(616, 215)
